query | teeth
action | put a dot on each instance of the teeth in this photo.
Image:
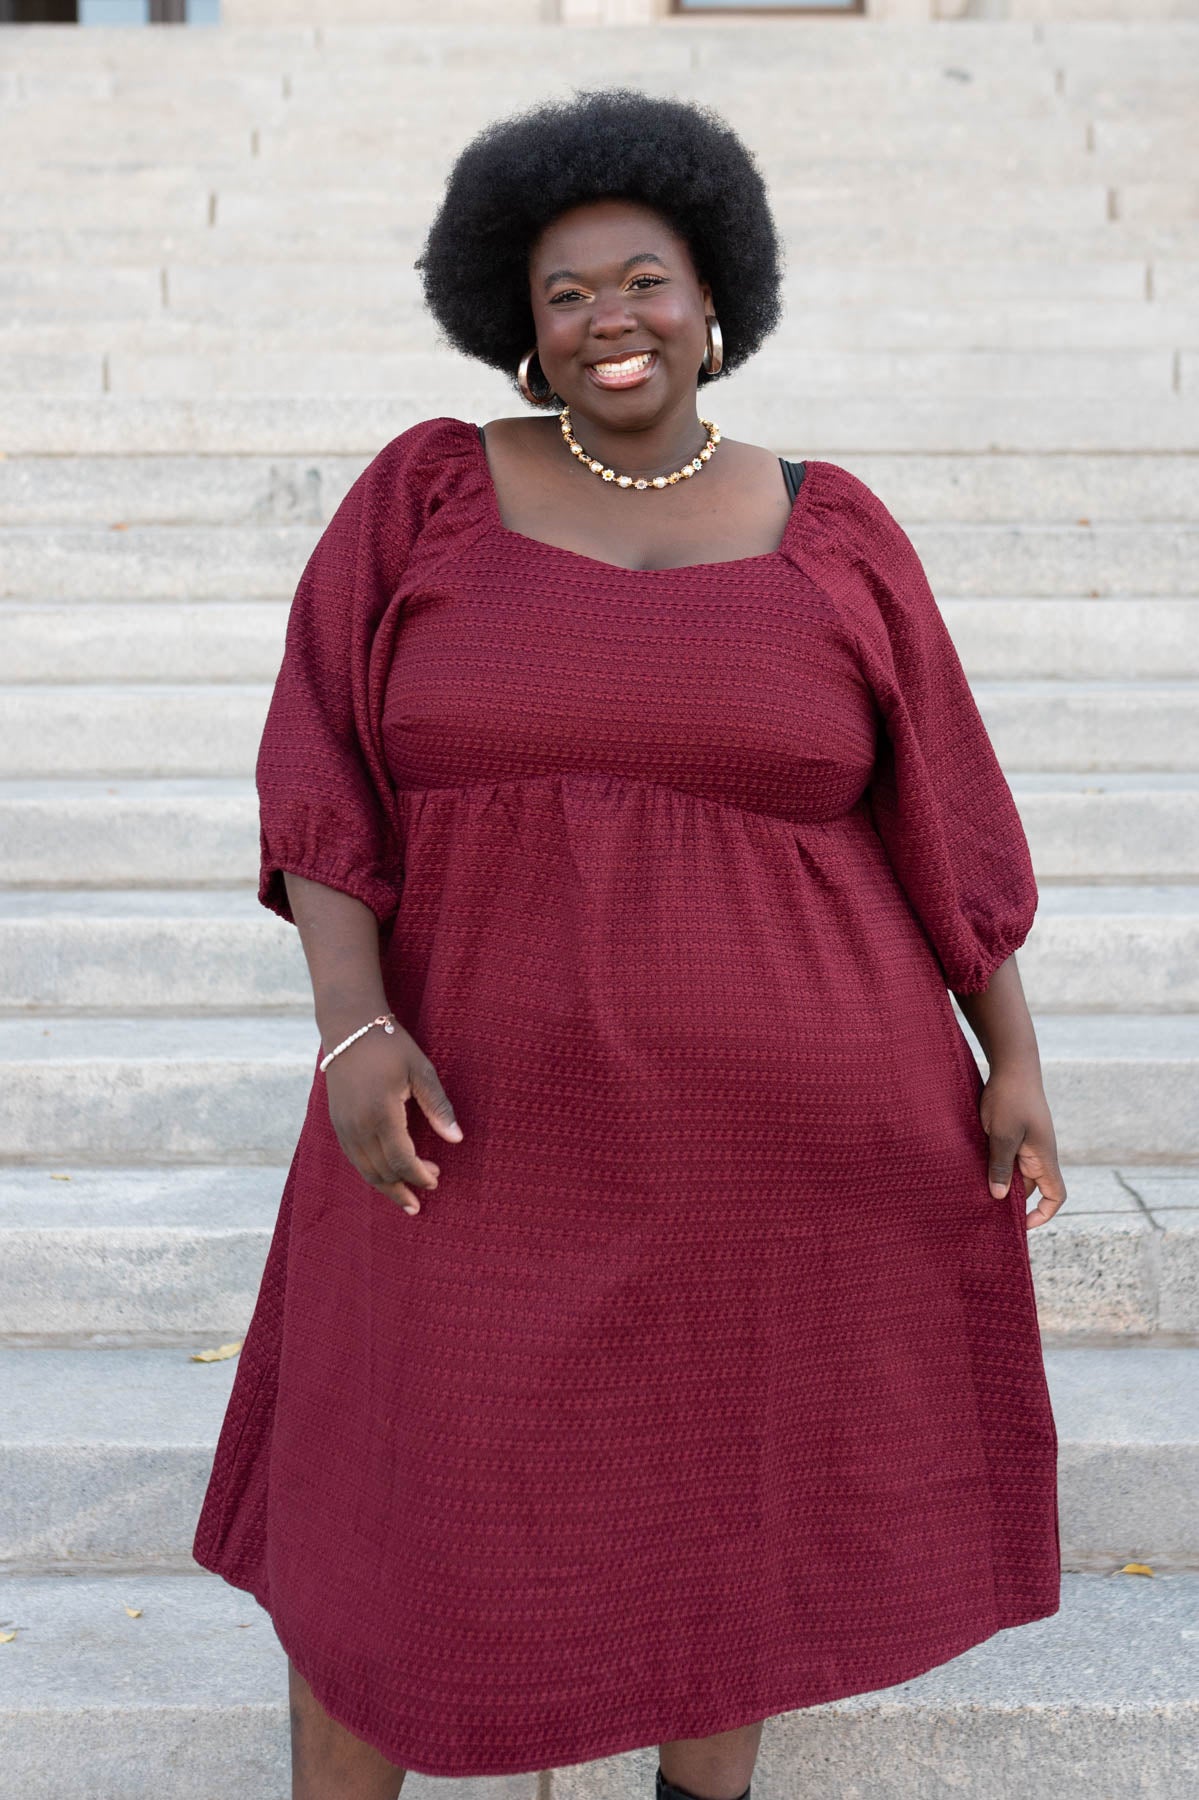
(624, 365)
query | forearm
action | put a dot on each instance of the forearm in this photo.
(340, 936)
(1000, 1020)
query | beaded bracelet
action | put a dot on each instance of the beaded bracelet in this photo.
(388, 1022)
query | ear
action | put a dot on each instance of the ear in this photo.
(709, 303)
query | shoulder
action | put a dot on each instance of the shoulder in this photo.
(416, 473)
(862, 518)
(520, 426)
(522, 437)
(855, 549)
(851, 526)
(423, 446)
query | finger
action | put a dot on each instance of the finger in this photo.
(1002, 1161)
(1045, 1173)
(385, 1178)
(362, 1154)
(399, 1161)
(433, 1100)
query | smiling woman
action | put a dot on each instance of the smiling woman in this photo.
(639, 796)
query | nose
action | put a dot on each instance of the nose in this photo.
(611, 316)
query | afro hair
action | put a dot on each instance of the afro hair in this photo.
(514, 178)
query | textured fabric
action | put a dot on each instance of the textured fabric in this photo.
(707, 1385)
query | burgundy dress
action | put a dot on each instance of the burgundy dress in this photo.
(707, 1384)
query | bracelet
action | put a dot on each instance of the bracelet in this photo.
(388, 1022)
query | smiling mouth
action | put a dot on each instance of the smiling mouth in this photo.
(623, 371)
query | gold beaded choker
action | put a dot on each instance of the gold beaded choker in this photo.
(640, 481)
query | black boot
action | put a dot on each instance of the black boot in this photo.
(666, 1790)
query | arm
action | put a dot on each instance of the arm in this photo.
(1013, 1108)
(369, 1084)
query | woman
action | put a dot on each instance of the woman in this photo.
(637, 821)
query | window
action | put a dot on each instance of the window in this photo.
(109, 12)
(760, 6)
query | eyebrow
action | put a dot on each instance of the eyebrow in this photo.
(644, 256)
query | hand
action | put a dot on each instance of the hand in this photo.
(1015, 1116)
(368, 1088)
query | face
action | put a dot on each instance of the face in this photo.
(621, 314)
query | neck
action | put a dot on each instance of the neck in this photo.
(655, 449)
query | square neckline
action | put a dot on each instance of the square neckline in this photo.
(599, 562)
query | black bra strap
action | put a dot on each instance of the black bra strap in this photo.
(793, 474)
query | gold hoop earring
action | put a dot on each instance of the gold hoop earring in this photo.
(714, 352)
(523, 383)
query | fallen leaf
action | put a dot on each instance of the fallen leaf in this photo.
(6, 1637)
(60, 1177)
(121, 527)
(218, 1355)
(135, 1612)
(1135, 1569)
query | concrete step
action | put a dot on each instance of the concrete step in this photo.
(1110, 826)
(203, 950)
(222, 1088)
(1061, 322)
(834, 231)
(106, 1454)
(242, 641)
(226, 1088)
(325, 88)
(266, 290)
(119, 833)
(1070, 724)
(191, 562)
(814, 197)
(438, 117)
(1101, 948)
(868, 326)
(121, 728)
(1086, 640)
(221, 148)
(1107, 948)
(167, 489)
(203, 831)
(832, 427)
(1120, 1261)
(1126, 373)
(107, 1257)
(227, 562)
(198, 1685)
(1092, 948)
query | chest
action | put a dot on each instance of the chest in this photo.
(732, 680)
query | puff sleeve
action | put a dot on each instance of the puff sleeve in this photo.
(326, 806)
(938, 796)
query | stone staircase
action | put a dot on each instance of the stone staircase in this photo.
(209, 323)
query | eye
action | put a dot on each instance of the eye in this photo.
(566, 294)
(654, 280)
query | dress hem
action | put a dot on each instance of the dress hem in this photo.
(664, 1733)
